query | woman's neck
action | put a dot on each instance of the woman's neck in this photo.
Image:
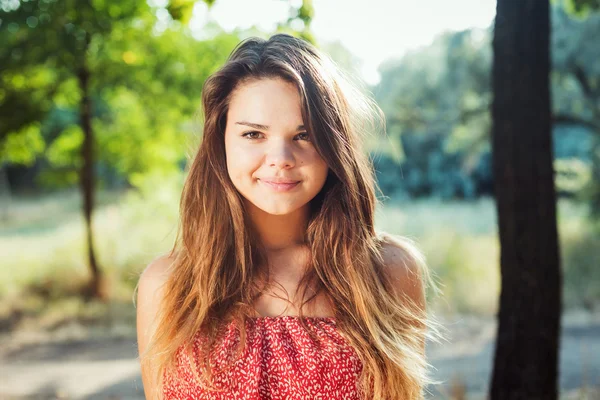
(279, 233)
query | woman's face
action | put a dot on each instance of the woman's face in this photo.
(271, 159)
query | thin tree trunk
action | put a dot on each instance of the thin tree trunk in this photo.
(526, 354)
(5, 194)
(87, 178)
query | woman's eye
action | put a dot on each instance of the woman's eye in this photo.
(251, 135)
(305, 136)
(256, 135)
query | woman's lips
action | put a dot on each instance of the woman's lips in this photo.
(280, 187)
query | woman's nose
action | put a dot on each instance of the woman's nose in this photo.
(280, 155)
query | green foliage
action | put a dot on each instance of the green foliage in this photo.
(579, 8)
(27, 88)
(580, 259)
(576, 87)
(437, 99)
(572, 175)
(298, 24)
(152, 107)
(64, 151)
(145, 86)
(181, 10)
(22, 147)
(306, 12)
(436, 104)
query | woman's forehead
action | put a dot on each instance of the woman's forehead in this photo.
(266, 101)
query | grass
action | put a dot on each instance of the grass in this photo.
(43, 268)
(459, 240)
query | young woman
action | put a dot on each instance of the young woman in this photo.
(278, 286)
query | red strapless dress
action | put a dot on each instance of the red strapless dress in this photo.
(280, 361)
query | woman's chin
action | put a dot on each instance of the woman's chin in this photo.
(279, 210)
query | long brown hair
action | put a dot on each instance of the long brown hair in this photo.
(215, 278)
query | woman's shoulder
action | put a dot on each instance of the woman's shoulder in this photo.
(397, 249)
(150, 288)
(150, 294)
(157, 271)
(404, 263)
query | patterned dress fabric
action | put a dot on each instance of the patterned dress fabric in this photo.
(279, 361)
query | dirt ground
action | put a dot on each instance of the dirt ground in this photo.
(76, 363)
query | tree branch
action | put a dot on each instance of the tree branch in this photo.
(573, 119)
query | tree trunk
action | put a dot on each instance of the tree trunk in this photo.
(5, 195)
(526, 354)
(87, 178)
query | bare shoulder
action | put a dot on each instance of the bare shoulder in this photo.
(150, 292)
(150, 287)
(157, 272)
(405, 265)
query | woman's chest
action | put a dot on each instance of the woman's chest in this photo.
(279, 361)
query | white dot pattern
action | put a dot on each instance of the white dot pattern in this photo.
(279, 361)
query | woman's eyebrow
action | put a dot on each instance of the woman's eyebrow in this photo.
(262, 127)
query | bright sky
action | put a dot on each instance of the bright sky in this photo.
(373, 30)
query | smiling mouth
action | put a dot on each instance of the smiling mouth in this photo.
(280, 187)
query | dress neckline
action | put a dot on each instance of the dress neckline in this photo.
(291, 317)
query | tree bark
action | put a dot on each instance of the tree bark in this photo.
(526, 354)
(87, 177)
(5, 194)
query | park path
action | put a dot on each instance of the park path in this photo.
(107, 368)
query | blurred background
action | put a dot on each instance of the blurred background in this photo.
(99, 113)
